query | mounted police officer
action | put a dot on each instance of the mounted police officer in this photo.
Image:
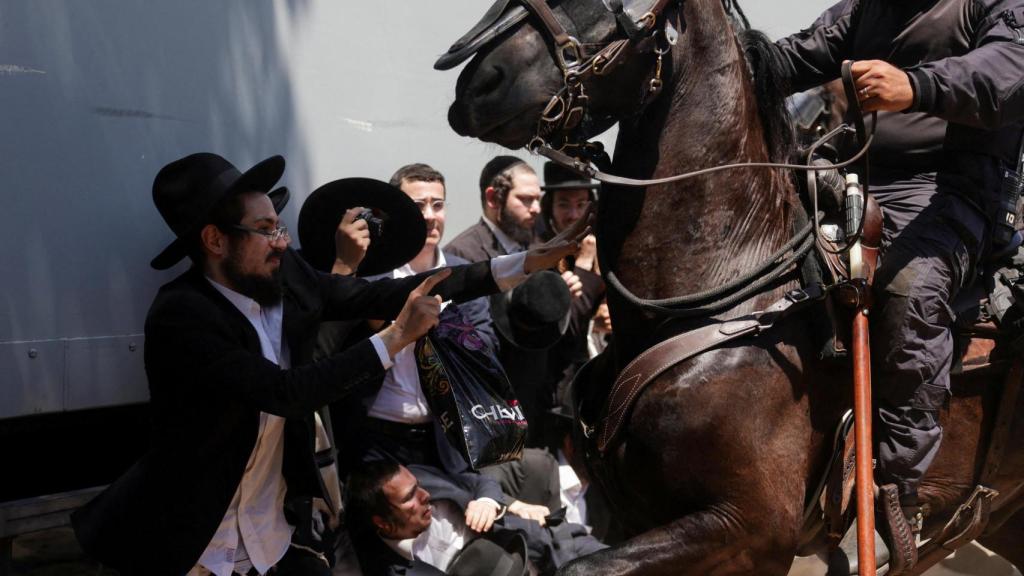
(945, 77)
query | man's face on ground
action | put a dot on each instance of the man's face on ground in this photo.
(429, 197)
(522, 206)
(568, 206)
(410, 506)
(253, 262)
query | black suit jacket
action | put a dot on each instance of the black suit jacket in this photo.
(476, 243)
(208, 384)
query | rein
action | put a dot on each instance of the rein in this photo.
(585, 168)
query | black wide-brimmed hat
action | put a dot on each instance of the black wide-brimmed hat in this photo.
(496, 553)
(558, 177)
(535, 314)
(186, 190)
(402, 230)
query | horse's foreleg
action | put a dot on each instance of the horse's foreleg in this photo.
(715, 542)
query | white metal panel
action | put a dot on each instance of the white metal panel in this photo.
(32, 377)
(105, 372)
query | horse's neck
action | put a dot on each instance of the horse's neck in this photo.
(699, 234)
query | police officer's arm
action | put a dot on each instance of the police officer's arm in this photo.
(985, 87)
(815, 55)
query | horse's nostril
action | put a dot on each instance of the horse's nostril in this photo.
(488, 81)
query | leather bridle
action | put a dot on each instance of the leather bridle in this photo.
(564, 113)
(557, 137)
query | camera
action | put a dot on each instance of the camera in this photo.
(374, 222)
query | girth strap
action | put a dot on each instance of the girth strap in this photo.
(655, 361)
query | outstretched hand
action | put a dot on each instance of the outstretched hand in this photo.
(567, 243)
(420, 314)
(882, 86)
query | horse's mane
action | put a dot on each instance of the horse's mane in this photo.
(770, 90)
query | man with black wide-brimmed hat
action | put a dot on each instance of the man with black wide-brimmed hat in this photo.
(228, 348)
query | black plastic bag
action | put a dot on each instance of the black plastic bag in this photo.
(469, 393)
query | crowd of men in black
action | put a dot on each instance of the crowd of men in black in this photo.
(246, 347)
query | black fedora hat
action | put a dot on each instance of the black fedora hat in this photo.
(558, 177)
(186, 190)
(496, 553)
(400, 237)
(535, 314)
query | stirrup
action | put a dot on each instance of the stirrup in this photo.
(897, 532)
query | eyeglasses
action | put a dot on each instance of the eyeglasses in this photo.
(271, 235)
(436, 205)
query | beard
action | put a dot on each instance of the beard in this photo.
(507, 224)
(265, 290)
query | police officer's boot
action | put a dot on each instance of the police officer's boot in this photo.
(895, 538)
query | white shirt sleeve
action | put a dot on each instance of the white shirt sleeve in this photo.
(508, 271)
(497, 506)
(382, 352)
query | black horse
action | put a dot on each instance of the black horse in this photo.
(720, 454)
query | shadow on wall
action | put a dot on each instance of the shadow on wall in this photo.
(94, 98)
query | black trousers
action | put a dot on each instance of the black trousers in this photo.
(933, 240)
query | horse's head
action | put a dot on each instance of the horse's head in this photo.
(565, 71)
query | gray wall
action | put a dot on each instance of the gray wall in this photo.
(97, 95)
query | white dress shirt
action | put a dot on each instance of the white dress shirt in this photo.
(401, 398)
(573, 493)
(253, 532)
(439, 544)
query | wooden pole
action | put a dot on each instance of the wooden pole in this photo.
(862, 429)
